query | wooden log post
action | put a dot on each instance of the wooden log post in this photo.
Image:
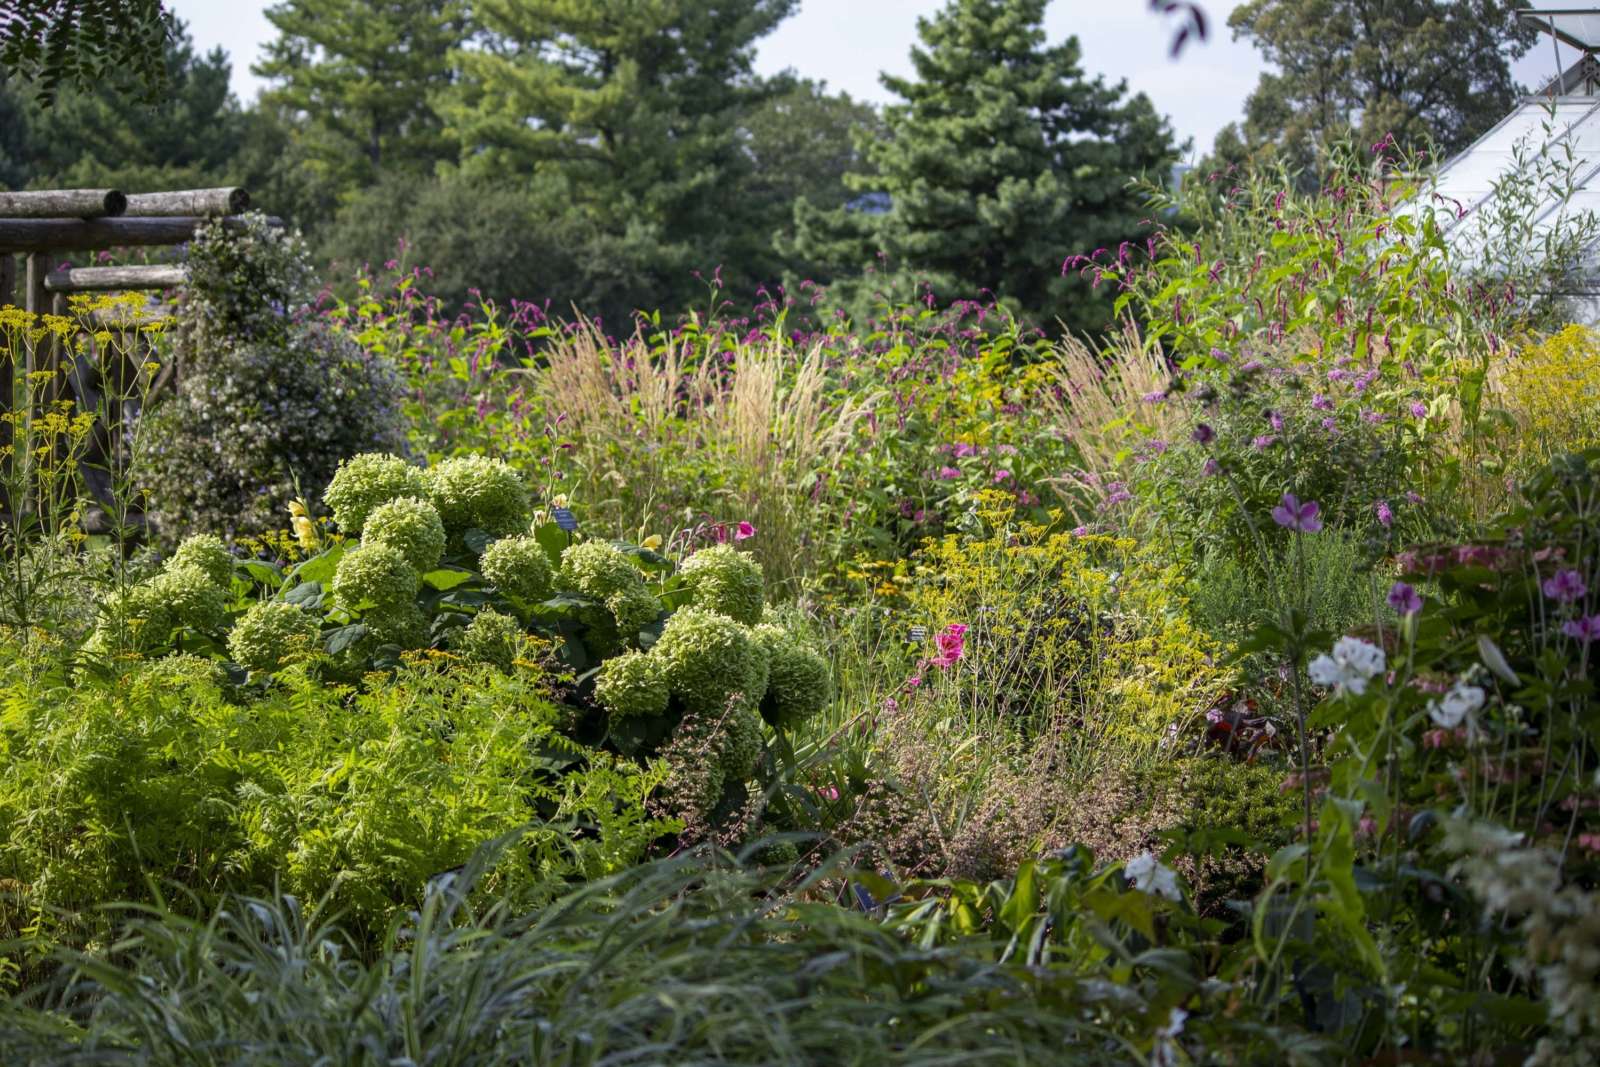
(84, 235)
(229, 201)
(63, 204)
(113, 279)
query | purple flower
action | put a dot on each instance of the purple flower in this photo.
(1219, 355)
(1585, 628)
(1374, 417)
(1001, 475)
(1276, 421)
(1080, 531)
(1291, 514)
(1419, 409)
(1385, 515)
(1204, 434)
(1116, 493)
(1251, 365)
(949, 473)
(1565, 586)
(1404, 599)
(1264, 442)
(1156, 446)
(962, 448)
(1321, 402)
(1413, 496)
(1211, 468)
(1154, 398)
(1337, 375)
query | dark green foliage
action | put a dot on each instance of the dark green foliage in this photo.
(83, 42)
(356, 80)
(1430, 72)
(1003, 160)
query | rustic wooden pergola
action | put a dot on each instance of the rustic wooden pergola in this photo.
(37, 228)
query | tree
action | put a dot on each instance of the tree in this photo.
(1423, 70)
(1003, 160)
(356, 80)
(634, 107)
(104, 135)
(51, 43)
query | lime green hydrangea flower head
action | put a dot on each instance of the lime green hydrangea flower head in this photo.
(725, 580)
(799, 683)
(707, 658)
(404, 625)
(410, 524)
(742, 742)
(207, 552)
(478, 493)
(601, 572)
(133, 620)
(492, 638)
(270, 633)
(519, 568)
(189, 594)
(374, 578)
(631, 684)
(363, 482)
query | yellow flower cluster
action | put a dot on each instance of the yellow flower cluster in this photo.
(1551, 390)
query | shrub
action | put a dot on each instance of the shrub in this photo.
(268, 403)
(271, 633)
(1551, 389)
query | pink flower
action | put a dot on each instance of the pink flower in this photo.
(1001, 475)
(1404, 599)
(962, 448)
(1264, 442)
(1275, 421)
(744, 531)
(1585, 628)
(1385, 514)
(1293, 515)
(951, 643)
(1565, 586)
(829, 792)
(1439, 738)
(949, 473)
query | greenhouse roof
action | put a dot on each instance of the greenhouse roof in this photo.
(1575, 26)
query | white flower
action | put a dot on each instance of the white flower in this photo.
(1353, 663)
(1460, 702)
(1151, 876)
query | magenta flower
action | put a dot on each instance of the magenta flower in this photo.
(1374, 417)
(1413, 496)
(1264, 442)
(949, 473)
(1385, 514)
(962, 448)
(1291, 514)
(951, 642)
(1117, 493)
(1204, 434)
(1565, 586)
(1585, 628)
(1154, 398)
(744, 531)
(1001, 475)
(1276, 421)
(1404, 599)
(1419, 409)
(1080, 531)
(1321, 402)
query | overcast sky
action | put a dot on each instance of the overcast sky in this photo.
(848, 42)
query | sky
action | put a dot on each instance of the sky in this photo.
(846, 43)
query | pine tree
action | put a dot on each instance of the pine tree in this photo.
(1003, 160)
(356, 80)
(633, 107)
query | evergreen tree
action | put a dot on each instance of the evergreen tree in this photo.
(1002, 160)
(356, 80)
(1423, 70)
(105, 135)
(631, 109)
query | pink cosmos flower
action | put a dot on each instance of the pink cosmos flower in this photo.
(1291, 514)
(1565, 586)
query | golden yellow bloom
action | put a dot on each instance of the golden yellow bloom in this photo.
(305, 532)
(653, 543)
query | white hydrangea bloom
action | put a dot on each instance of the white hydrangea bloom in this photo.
(1352, 664)
(1457, 705)
(1151, 876)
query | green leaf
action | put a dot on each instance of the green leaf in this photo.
(336, 641)
(446, 578)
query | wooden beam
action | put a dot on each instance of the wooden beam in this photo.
(229, 201)
(83, 235)
(63, 204)
(113, 279)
